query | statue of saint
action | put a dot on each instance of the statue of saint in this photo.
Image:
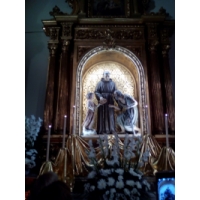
(89, 119)
(104, 94)
(129, 112)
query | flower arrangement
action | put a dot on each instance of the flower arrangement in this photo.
(32, 128)
(116, 169)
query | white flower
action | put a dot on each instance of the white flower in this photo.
(112, 190)
(107, 192)
(112, 162)
(91, 155)
(87, 186)
(120, 178)
(119, 184)
(105, 172)
(92, 188)
(138, 184)
(146, 183)
(111, 181)
(130, 182)
(101, 184)
(131, 171)
(145, 156)
(135, 191)
(140, 164)
(119, 171)
(126, 192)
(92, 174)
(128, 155)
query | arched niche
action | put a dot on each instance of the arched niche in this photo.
(124, 66)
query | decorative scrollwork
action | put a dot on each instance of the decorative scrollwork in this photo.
(153, 46)
(66, 29)
(89, 34)
(152, 30)
(165, 50)
(56, 11)
(82, 50)
(65, 46)
(109, 41)
(74, 4)
(126, 34)
(54, 33)
(164, 35)
(136, 50)
(52, 48)
(161, 11)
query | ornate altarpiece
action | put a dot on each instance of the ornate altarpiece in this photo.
(134, 47)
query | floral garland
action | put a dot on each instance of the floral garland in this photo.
(117, 175)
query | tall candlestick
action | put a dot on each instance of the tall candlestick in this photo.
(64, 131)
(74, 124)
(147, 119)
(48, 143)
(166, 130)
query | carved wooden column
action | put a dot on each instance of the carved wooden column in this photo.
(157, 113)
(49, 109)
(63, 98)
(63, 88)
(169, 107)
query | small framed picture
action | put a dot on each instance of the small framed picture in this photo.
(165, 185)
(108, 8)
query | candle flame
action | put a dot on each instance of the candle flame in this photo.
(65, 116)
(166, 114)
(49, 126)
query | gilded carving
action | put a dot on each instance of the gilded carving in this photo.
(164, 35)
(136, 50)
(126, 34)
(54, 33)
(153, 46)
(161, 11)
(81, 50)
(152, 31)
(66, 29)
(109, 41)
(56, 11)
(165, 50)
(52, 48)
(74, 4)
(89, 34)
(65, 46)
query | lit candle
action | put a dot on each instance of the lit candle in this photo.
(166, 130)
(64, 131)
(48, 143)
